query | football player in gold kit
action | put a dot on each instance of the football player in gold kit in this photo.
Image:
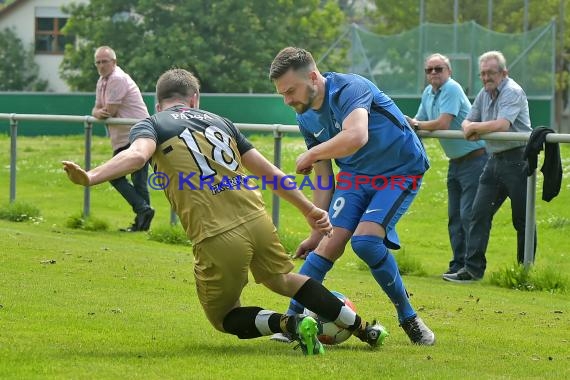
(204, 157)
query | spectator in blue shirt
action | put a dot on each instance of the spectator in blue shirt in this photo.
(444, 106)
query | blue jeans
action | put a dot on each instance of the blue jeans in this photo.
(462, 183)
(136, 193)
(504, 175)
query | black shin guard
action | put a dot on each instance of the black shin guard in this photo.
(321, 301)
(241, 322)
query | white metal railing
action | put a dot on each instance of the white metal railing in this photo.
(278, 130)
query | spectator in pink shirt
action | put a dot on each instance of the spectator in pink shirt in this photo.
(119, 96)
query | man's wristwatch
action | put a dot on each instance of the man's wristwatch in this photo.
(416, 126)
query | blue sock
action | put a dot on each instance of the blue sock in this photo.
(316, 267)
(384, 268)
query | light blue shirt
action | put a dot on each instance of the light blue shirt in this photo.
(452, 100)
(511, 103)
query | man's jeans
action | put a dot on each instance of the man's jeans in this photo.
(136, 193)
(504, 175)
(462, 184)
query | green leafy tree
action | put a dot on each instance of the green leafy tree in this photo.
(228, 44)
(18, 70)
(507, 16)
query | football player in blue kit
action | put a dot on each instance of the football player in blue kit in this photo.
(346, 118)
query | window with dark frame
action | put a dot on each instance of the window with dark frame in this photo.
(49, 38)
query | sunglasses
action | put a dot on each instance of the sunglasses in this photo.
(103, 61)
(437, 69)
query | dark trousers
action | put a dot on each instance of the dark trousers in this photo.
(136, 193)
(462, 184)
(504, 175)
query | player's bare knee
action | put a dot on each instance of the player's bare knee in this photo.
(370, 228)
(332, 248)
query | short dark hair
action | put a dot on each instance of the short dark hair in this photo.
(177, 84)
(291, 58)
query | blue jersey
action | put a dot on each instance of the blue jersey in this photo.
(392, 148)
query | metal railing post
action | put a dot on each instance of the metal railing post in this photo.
(277, 137)
(530, 220)
(13, 138)
(87, 190)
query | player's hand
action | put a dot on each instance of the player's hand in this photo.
(307, 245)
(319, 220)
(304, 164)
(75, 173)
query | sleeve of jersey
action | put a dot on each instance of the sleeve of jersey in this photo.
(243, 144)
(354, 95)
(143, 129)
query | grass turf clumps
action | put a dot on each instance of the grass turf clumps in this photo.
(519, 278)
(90, 223)
(20, 212)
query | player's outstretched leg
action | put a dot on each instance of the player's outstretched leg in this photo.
(307, 329)
(375, 254)
(373, 334)
(418, 332)
(316, 267)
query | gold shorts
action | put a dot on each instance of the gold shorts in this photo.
(221, 264)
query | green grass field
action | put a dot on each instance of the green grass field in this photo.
(78, 304)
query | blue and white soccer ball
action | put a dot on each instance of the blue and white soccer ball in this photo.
(333, 334)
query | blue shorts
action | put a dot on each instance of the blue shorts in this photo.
(380, 200)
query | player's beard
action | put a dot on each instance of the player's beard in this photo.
(311, 95)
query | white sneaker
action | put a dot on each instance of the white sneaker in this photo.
(418, 332)
(283, 338)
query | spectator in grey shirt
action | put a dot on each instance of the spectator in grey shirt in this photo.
(500, 106)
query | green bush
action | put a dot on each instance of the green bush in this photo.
(408, 264)
(169, 235)
(88, 224)
(20, 212)
(519, 278)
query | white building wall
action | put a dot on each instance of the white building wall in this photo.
(22, 19)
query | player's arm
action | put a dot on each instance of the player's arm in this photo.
(125, 162)
(258, 165)
(324, 183)
(353, 136)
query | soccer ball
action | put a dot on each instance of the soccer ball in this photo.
(333, 334)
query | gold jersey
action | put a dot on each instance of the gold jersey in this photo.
(198, 157)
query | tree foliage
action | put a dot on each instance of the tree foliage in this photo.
(507, 16)
(229, 45)
(18, 70)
